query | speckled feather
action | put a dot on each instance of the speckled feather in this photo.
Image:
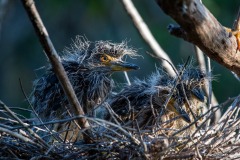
(134, 101)
(139, 94)
(90, 79)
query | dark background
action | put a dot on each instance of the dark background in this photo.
(21, 54)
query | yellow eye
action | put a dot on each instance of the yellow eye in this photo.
(104, 58)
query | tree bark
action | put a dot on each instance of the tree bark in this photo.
(200, 27)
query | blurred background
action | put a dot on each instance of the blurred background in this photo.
(21, 55)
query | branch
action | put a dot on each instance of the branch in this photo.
(23, 124)
(55, 61)
(202, 65)
(17, 135)
(147, 36)
(200, 27)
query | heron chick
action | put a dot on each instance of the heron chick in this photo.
(89, 66)
(145, 102)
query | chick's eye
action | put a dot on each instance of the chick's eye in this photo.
(104, 58)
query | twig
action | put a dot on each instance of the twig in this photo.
(19, 136)
(163, 59)
(14, 155)
(127, 134)
(32, 108)
(202, 65)
(188, 103)
(23, 124)
(112, 113)
(141, 140)
(55, 62)
(233, 105)
(5, 113)
(213, 109)
(147, 35)
(200, 58)
(209, 72)
(186, 127)
(198, 153)
(127, 78)
(20, 109)
(178, 78)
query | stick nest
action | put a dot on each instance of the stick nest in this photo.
(21, 139)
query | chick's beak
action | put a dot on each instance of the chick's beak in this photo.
(123, 66)
(183, 114)
(199, 94)
(178, 110)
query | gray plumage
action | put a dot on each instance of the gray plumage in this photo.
(144, 100)
(88, 66)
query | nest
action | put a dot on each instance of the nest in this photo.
(21, 139)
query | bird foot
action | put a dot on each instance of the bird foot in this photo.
(236, 33)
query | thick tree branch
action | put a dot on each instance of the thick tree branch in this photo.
(55, 61)
(200, 27)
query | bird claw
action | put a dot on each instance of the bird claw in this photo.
(236, 33)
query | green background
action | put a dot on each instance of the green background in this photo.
(21, 54)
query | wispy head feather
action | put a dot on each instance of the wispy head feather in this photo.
(81, 50)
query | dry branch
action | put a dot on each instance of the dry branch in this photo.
(148, 37)
(54, 60)
(200, 27)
